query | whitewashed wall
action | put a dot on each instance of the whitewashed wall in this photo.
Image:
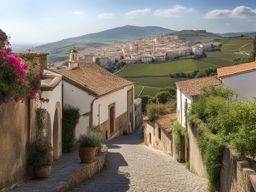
(54, 97)
(101, 106)
(181, 105)
(244, 85)
(82, 100)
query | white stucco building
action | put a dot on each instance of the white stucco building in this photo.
(241, 79)
(51, 92)
(187, 90)
(105, 101)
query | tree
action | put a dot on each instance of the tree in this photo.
(163, 96)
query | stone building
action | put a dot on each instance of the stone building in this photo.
(159, 135)
(18, 125)
(105, 101)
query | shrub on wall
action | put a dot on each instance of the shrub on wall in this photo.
(154, 111)
(220, 122)
(17, 80)
(69, 121)
(212, 149)
(179, 132)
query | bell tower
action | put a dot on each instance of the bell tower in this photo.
(73, 59)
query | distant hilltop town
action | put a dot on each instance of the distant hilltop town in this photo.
(153, 49)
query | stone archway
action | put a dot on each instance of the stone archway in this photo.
(57, 133)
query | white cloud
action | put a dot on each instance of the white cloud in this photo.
(106, 16)
(240, 11)
(139, 12)
(173, 11)
(78, 12)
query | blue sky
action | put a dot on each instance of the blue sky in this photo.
(40, 21)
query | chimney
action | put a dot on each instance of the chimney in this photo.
(73, 60)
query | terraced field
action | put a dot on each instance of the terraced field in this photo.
(151, 77)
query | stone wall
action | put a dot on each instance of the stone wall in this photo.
(121, 125)
(163, 143)
(37, 61)
(235, 176)
(17, 127)
(195, 158)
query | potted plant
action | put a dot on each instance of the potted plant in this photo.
(89, 145)
(40, 157)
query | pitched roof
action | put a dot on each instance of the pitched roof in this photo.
(236, 69)
(164, 121)
(193, 87)
(93, 79)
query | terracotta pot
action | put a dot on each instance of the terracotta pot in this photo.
(87, 154)
(43, 171)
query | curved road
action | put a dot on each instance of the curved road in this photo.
(132, 166)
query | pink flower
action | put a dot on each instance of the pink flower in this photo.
(16, 98)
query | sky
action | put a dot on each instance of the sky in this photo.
(41, 21)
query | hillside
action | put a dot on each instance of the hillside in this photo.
(196, 35)
(238, 34)
(59, 50)
(149, 78)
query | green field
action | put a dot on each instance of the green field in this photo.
(232, 48)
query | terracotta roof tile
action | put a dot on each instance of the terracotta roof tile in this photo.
(193, 87)
(236, 69)
(94, 79)
(164, 121)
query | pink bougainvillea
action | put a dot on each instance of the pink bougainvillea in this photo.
(17, 81)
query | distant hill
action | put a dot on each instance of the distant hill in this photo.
(197, 35)
(238, 34)
(59, 50)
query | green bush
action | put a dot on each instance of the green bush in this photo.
(220, 122)
(92, 139)
(212, 152)
(69, 121)
(163, 97)
(171, 90)
(153, 111)
(179, 131)
(40, 153)
(146, 99)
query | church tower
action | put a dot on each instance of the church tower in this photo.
(73, 59)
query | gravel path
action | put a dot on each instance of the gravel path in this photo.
(132, 166)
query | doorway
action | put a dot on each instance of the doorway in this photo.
(112, 119)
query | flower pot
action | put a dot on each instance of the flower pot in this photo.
(43, 171)
(87, 154)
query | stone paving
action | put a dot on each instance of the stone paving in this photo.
(132, 166)
(67, 173)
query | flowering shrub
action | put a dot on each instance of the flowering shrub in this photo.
(17, 81)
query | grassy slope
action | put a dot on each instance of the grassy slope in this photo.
(232, 48)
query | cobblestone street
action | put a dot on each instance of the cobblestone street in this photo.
(132, 166)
